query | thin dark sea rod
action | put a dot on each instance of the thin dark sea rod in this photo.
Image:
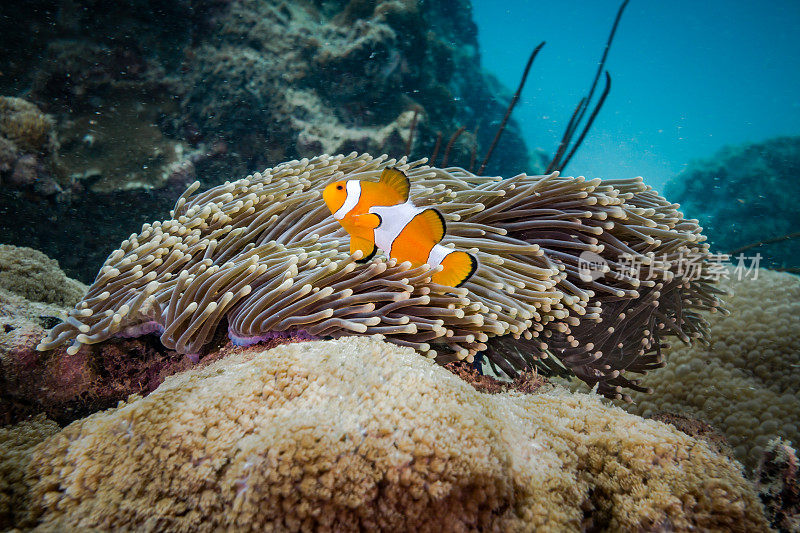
(265, 255)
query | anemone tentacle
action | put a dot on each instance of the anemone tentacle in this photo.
(263, 255)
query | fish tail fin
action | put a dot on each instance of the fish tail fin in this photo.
(458, 268)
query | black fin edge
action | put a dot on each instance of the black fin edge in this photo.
(472, 270)
(441, 219)
(444, 223)
(369, 257)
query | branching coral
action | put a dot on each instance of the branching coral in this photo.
(357, 434)
(264, 254)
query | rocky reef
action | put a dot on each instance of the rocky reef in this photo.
(294, 80)
(140, 98)
(746, 195)
(28, 149)
(778, 485)
(357, 433)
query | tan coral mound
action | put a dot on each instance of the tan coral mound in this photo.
(359, 433)
(747, 382)
(16, 445)
(32, 274)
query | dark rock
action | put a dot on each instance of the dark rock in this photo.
(745, 195)
(778, 485)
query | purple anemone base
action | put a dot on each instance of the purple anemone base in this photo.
(300, 334)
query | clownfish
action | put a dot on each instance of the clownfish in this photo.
(380, 215)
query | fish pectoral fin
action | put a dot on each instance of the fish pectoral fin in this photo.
(432, 223)
(368, 221)
(366, 246)
(397, 180)
(458, 268)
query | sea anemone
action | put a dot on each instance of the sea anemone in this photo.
(264, 255)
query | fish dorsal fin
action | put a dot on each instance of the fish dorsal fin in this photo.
(433, 222)
(397, 180)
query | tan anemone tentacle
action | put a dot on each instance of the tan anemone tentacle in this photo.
(265, 255)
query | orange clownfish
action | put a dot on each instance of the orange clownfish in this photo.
(380, 215)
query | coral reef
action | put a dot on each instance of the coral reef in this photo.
(746, 382)
(68, 386)
(116, 112)
(16, 446)
(358, 433)
(293, 80)
(122, 147)
(148, 94)
(36, 277)
(745, 195)
(778, 485)
(25, 125)
(264, 254)
(28, 148)
(64, 200)
(32, 292)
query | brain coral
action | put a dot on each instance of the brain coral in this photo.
(264, 254)
(746, 383)
(359, 433)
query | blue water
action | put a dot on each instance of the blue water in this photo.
(688, 77)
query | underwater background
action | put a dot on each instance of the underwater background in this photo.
(699, 91)
(688, 78)
(171, 278)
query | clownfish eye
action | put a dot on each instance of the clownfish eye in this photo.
(339, 187)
